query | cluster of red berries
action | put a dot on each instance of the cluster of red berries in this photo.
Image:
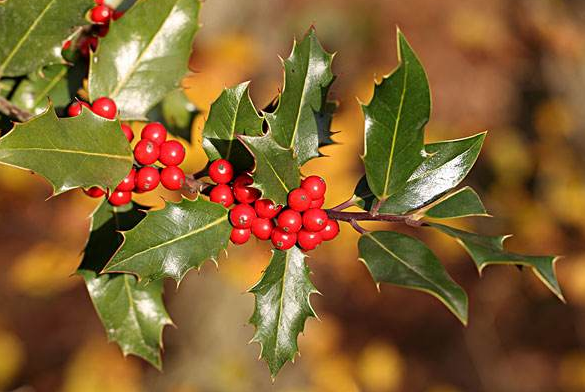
(152, 147)
(303, 222)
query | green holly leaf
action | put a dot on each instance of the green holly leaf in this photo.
(133, 314)
(67, 151)
(145, 55)
(177, 113)
(395, 118)
(277, 171)
(445, 166)
(171, 241)
(6, 87)
(282, 307)
(295, 123)
(407, 262)
(32, 93)
(487, 250)
(232, 114)
(462, 203)
(32, 32)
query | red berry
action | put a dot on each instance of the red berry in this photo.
(315, 187)
(94, 191)
(103, 30)
(172, 178)
(244, 193)
(308, 240)
(117, 15)
(290, 221)
(128, 183)
(119, 198)
(222, 194)
(240, 236)
(315, 219)
(317, 203)
(147, 179)
(99, 2)
(146, 152)
(262, 228)
(172, 153)
(105, 107)
(242, 216)
(283, 240)
(128, 132)
(155, 132)
(266, 208)
(330, 231)
(66, 45)
(87, 44)
(101, 14)
(75, 108)
(221, 171)
(299, 200)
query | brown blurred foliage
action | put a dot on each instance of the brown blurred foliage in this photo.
(513, 67)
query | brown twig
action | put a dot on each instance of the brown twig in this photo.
(13, 111)
(194, 185)
(354, 217)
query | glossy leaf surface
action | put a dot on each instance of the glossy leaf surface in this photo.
(464, 202)
(395, 118)
(297, 122)
(67, 151)
(34, 93)
(171, 241)
(145, 55)
(487, 250)
(133, 314)
(407, 262)
(177, 113)
(282, 307)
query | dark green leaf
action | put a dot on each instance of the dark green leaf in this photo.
(133, 314)
(33, 94)
(276, 172)
(177, 113)
(464, 202)
(232, 114)
(81, 151)
(395, 118)
(6, 87)
(486, 250)
(282, 307)
(171, 241)
(145, 55)
(295, 123)
(407, 262)
(443, 169)
(33, 31)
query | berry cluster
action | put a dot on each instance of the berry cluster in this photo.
(303, 222)
(152, 147)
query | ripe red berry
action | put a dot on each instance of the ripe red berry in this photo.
(155, 132)
(317, 203)
(117, 15)
(66, 45)
(172, 153)
(146, 152)
(172, 178)
(147, 179)
(128, 183)
(119, 198)
(315, 187)
(240, 236)
(299, 200)
(103, 30)
(244, 193)
(290, 221)
(222, 194)
(308, 240)
(221, 171)
(242, 216)
(262, 228)
(128, 132)
(101, 14)
(99, 2)
(283, 240)
(75, 108)
(315, 219)
(330, 230)
(94, 191)
(105, 107)
(266, 208)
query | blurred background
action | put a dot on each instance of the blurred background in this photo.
(513, 67)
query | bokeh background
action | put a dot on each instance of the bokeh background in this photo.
(513, 67)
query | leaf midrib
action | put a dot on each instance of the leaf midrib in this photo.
(233, 129)
(302, 98)
(49, 87)
(281, 302)
(77, 152)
